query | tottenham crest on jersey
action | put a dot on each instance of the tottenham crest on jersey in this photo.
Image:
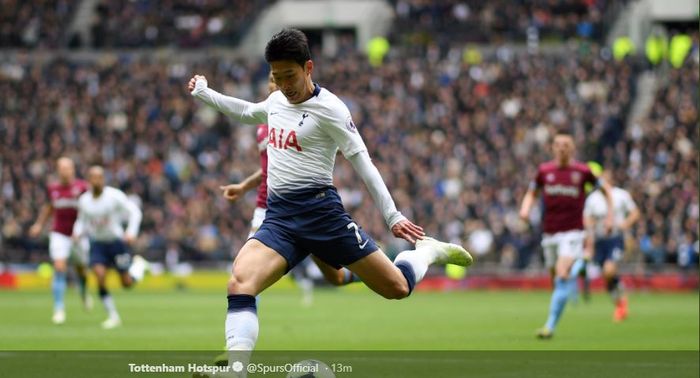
(303, 118)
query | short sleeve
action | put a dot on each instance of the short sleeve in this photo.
(341, 128)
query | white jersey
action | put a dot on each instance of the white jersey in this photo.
(303, 139)
(101, 218)
(597, 208)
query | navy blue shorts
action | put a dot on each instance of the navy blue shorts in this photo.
(609, 249)
(313, 221)
(110, 254)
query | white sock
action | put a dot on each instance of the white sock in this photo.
(418, 260)
(241, 330)
(241, 335)
(111, 308)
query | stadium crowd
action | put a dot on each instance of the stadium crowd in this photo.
(460, 21)
(32, 24)
(456, 142)
(178, 23)
(196, 23)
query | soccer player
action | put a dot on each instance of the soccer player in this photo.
(609, 247)
(562, 182)
(63, 205)
(307, 126)
(233, 192)
(100, 214)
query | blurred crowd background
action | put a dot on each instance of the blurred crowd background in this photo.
(456, 129)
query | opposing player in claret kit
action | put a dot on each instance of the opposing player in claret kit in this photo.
(307, 126)
(63, 205)
(101, 211)
(562, 182)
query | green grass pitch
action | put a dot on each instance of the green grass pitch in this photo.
(354, 319)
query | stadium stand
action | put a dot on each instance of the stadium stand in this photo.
(31, 24)
(456, 136)
(178, 23)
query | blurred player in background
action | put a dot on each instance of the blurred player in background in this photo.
(607, 248)
(63, 205)
(562, 182)
(307, 125)
(233, 192)
(101, 212)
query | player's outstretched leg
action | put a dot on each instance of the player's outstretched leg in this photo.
(562, 288)
(58, 288)
(396, 280)
(414, 263)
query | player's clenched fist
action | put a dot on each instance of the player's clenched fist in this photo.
(197, 83)
(233, 192)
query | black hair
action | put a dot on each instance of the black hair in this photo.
(289, 44)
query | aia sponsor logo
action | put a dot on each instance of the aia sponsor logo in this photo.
(283, 140)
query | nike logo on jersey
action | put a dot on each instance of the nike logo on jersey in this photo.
(362, 246)
(303, 117)
(273, 113)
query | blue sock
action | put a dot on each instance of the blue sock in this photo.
(59, 290)
(559, 297)
(407, 271)
(576, 268)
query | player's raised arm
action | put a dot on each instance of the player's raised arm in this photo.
(399, 225)
(340, 127)
(244, 111)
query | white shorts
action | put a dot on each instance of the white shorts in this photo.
(567, 244)
(258, 218)
(61, 247)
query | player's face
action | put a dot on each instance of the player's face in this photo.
(271, 86)
(96, 177)
(291, 79)
(563, 148)
(66, 170)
